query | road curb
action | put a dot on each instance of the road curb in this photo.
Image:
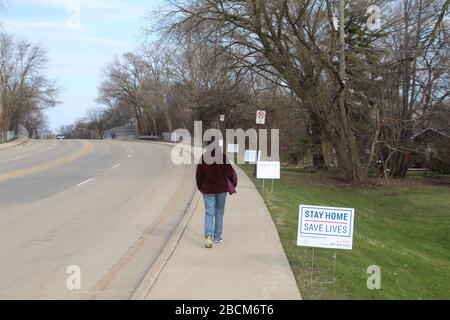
(152, 275)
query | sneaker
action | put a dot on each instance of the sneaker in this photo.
(218, 240)
(208, 242)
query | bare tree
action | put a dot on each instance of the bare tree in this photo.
(159, 73)
(34, 122)
(118, 115)
(125, 84)
(294, 44)
(68, 131)
(96, 119)
(416, 84)
(24, 88)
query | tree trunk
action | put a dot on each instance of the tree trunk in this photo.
(138, 116)
(353, 170)
(169, 121)
(155, 127)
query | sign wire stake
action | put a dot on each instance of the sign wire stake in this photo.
(334, 265)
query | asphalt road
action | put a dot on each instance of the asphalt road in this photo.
(105, 207)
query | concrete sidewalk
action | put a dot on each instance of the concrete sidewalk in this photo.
(12, 144)
(249, 264)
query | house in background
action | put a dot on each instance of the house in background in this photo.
(433, 149)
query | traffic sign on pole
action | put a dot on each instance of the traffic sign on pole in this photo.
(261, 120)
(260, 117)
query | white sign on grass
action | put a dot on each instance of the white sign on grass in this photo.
(222, 118)
(250, 156)
(268, 170)
(325, 227)
(233, 148)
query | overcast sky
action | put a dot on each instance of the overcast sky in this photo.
(78, 49)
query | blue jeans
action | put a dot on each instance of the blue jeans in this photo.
(214, 211)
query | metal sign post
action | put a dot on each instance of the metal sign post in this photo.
(260, 120)
(325, 227)
(333, 278)
(223, 130)
(334, 265)
(257, 152)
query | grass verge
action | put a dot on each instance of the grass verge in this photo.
(404, 228)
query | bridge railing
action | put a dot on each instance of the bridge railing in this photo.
(131, 132)
(124, 132)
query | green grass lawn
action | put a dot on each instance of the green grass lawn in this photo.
(403, 228)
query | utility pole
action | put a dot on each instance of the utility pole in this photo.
(342, 40)
(223, 129)
(1, 120)
(343, 113)
(3, 129)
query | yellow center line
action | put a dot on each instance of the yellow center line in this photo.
(20, 173)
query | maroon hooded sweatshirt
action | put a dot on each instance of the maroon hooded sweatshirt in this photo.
(211, 178)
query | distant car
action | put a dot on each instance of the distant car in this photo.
(60, 137)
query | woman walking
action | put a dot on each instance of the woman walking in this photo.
(215, 177)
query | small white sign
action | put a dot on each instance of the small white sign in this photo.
(221, 143)
(268, 170)
(336, 23)
(222, 118)
(260, 117)
(233, 148)
(173, 137)
(250, 156)
(325, 227)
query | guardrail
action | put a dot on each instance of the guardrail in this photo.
(124, 132)
(131, 133)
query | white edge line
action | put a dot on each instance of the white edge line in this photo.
(84, 182)
(116, 166)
